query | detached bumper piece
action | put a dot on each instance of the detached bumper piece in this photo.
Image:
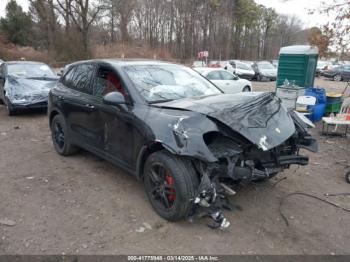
(286, 161)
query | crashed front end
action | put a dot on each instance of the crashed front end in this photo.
(25, 93)
(252, 138)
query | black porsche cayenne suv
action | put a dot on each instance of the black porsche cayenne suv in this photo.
(176, 131)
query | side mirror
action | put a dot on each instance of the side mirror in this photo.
(114, 99)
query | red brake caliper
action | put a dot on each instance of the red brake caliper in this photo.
(170, 182)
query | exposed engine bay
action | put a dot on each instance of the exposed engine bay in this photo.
(253, 141)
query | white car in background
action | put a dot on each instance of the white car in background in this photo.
(239, 68)
(226, 81)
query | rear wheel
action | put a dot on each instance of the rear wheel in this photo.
(170, 183)
(337, 78)
(246, 89)
(347, 177)
(60, 137)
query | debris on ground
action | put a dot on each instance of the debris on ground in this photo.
(7, 222)
(140, 230)
(147, 226)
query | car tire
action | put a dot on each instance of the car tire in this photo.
(246, 89)
(347, 177)
(11, 111)
(258, 78)
(60, 137)
(337, 78)
(171, 184)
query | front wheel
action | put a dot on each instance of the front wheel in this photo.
(246, 89)
(171, 185)
(60, 137)
(11, 111)
(337, 78)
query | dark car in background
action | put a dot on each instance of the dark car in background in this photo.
(338, 73)
(322, 66)
(25, 85)
(175, 130)
(264, 71)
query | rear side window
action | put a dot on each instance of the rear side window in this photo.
(82, 78)
(67, 79)
(79, 78)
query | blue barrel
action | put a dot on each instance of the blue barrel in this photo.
(317, 112)
(321, 96)
(319, 93)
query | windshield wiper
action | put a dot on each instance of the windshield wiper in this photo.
(160, 101)
(41, 78)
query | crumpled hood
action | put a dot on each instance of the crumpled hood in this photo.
(30, 90)
(259, 117)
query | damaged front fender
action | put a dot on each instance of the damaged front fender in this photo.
(182, 134)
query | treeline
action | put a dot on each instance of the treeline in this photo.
(73, 29)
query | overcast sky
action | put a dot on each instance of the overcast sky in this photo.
(291, 7)
(300, 8)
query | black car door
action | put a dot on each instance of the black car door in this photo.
(78, 103)
(117, 131)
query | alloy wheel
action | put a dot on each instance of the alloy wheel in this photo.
(58, 135)
(162, 186)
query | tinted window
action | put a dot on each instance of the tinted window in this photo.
(215, 75)
(67, 79)
(82, 78)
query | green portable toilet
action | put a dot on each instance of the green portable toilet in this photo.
(297, 63)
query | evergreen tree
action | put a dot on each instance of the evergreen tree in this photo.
(16, 25)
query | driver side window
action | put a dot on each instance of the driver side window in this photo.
(107, 81)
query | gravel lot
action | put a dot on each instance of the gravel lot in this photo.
(84, 205)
